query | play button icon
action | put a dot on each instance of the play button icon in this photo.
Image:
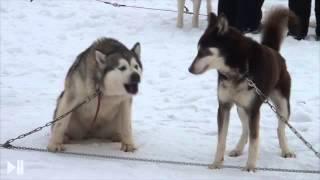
(18, 168)
(10, 167)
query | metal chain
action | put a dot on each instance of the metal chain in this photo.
(7, 144)
(265, 99)
(159, 161)
(186, 10)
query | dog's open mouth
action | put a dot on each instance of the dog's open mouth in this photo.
(131, 88)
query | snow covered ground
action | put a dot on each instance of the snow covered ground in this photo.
(175, 113)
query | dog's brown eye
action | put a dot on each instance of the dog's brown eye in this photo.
(122, 68)
(136, 66)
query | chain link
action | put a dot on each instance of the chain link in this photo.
(265, 99)
(7, 144)
(186, 10)
(159, 161)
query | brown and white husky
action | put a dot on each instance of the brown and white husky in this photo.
(237, 58)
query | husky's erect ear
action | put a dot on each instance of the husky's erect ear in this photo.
(100, 58)
(222, 24)
(212, 20)
(137, 49)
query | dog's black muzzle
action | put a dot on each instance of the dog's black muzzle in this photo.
(135, 78)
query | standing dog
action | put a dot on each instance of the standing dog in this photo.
(196, 9)
(237, 58)
(116, 71)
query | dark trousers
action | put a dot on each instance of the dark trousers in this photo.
(302, 9)
(317, 9)
(242, 14)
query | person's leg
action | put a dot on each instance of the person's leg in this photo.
(317, 9)
(227, 7)
(242, 15)
(249, 15)
(302, 9)
(256, 15)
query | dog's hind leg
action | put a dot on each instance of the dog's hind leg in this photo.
(237, 151)
(223, 123)
(196, 9)
(65, 103)
(180, 13)
(283, 107)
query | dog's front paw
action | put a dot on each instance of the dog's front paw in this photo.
(235, 153)
(55, 147)
(216, 165)
(127, 147)
(288, 154)
(249, 168)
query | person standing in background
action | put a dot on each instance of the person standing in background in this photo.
(245, 15)
(302, 9)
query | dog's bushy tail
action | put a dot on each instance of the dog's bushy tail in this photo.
(275, 27)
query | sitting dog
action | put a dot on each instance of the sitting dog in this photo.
(116, 71)
(238, 58)
(196, 9)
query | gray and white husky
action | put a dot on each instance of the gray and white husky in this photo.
(196, 10)
(237, 58)
(110, 66)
